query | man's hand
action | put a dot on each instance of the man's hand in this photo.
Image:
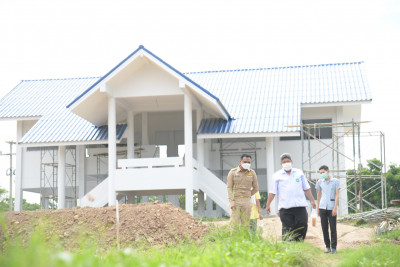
(260, 216)
(319, 215)
(268, 209)
(314, 205)
(334, 212)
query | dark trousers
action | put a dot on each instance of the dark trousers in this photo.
(327, 218)
(294, 223)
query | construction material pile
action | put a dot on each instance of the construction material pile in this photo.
(149, 223)
(374, 216)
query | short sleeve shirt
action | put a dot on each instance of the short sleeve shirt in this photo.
(328, 192)
(290, 188)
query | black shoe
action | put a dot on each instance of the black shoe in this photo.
(327, 250)
(334, 251)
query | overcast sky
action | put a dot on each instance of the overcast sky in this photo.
(61, 39)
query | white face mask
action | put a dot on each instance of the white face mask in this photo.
(246, 165)
(287, 166)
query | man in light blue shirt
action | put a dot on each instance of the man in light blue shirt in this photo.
(327, 200)
(292, 187)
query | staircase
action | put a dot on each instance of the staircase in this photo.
(213, 187)
(97, 197)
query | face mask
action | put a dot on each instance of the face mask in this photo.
(287, 166)
(246, 165)
(324, 175)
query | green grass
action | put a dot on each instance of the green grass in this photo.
(383, 254)
(391, 235)
(221, 247)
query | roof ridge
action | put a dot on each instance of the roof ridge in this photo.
(281, 67)
(60, 79)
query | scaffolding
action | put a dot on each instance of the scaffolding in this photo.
(48, 177)
(316, 148)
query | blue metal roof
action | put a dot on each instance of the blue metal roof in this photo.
(47, 99)
(264, 100)
(269, 99)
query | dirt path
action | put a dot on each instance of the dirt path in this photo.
(348, 236)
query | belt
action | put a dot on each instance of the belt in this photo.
(244, 196)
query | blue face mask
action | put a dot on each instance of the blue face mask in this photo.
(324, 176)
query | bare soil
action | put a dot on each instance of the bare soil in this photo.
(149, 223)
(348, 236)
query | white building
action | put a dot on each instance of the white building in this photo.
(146, 129)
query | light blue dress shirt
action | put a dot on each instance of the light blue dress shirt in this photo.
(328, 192)
(290, 188)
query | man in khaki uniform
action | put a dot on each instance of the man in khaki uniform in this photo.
(242, 184)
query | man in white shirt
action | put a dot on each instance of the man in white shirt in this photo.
(291, 186)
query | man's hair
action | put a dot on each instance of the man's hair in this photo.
(286, 156)
(245, 156)
(324, 167)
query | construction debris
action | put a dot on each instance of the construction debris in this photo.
(387, 226)
(374, 216)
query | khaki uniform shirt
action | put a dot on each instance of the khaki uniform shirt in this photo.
(241, 184)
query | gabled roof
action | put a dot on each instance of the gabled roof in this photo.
(140, 49)
(269, 99)
(263, 101)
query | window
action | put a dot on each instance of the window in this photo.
(321, 132)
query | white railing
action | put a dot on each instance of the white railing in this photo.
(150, 162)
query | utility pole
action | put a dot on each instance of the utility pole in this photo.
(11, 143)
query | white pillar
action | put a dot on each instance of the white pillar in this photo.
(188, 152)
(18, 170)
(269, 142)
(145, 125)
(341, 165)
(80, 169)
(200, 141)
(131, 135)
(61, 177)
(112, 148)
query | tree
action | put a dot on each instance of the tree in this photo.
(392, 183)
(4, 202)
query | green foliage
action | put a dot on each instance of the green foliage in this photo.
(221, 247)
(392, 182)
(394, 235)
(384, 254)
(5, 200)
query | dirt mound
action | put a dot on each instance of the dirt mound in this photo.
(151, 223)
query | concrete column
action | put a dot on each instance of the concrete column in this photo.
(80, 169)
(131, 198)
(343, 208)
(145, 127)
(188, 152)
(200, 207)
(131, 135)
(269, 141)
(219, 211)
(18, 170)
(174, 199)
(112, 150)
(46, 203)
(61, 178)
(209, 208)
